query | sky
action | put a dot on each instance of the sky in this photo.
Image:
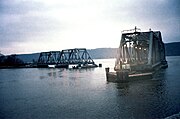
(30, 26)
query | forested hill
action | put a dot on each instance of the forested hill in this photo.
(172, 49)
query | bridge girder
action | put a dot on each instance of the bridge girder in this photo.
(141, 48)
(66, 57)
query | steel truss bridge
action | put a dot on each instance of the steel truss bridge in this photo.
(141, 51)
(64, 58)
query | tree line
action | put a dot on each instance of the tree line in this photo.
(10, 61)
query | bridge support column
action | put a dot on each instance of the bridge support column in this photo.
(150, 48)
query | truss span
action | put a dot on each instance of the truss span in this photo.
(62, 59)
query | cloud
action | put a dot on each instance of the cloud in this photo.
(39, 25)
(160, 15)
(22, 21)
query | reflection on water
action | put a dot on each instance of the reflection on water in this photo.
(123, 89)
(84, 93)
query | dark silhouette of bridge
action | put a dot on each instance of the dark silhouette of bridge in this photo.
(62, 59)
(141, 50)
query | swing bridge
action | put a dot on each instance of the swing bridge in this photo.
(140, 55)
(141, 51)
(62, 59)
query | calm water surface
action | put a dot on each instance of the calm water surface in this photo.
(64, 93)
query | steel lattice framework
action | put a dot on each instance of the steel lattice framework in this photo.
(140, 50)
(77, 56)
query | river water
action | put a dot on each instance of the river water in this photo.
(34, 93)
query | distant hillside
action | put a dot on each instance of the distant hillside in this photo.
(172, 49)
(103, 53)
(29, 57)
